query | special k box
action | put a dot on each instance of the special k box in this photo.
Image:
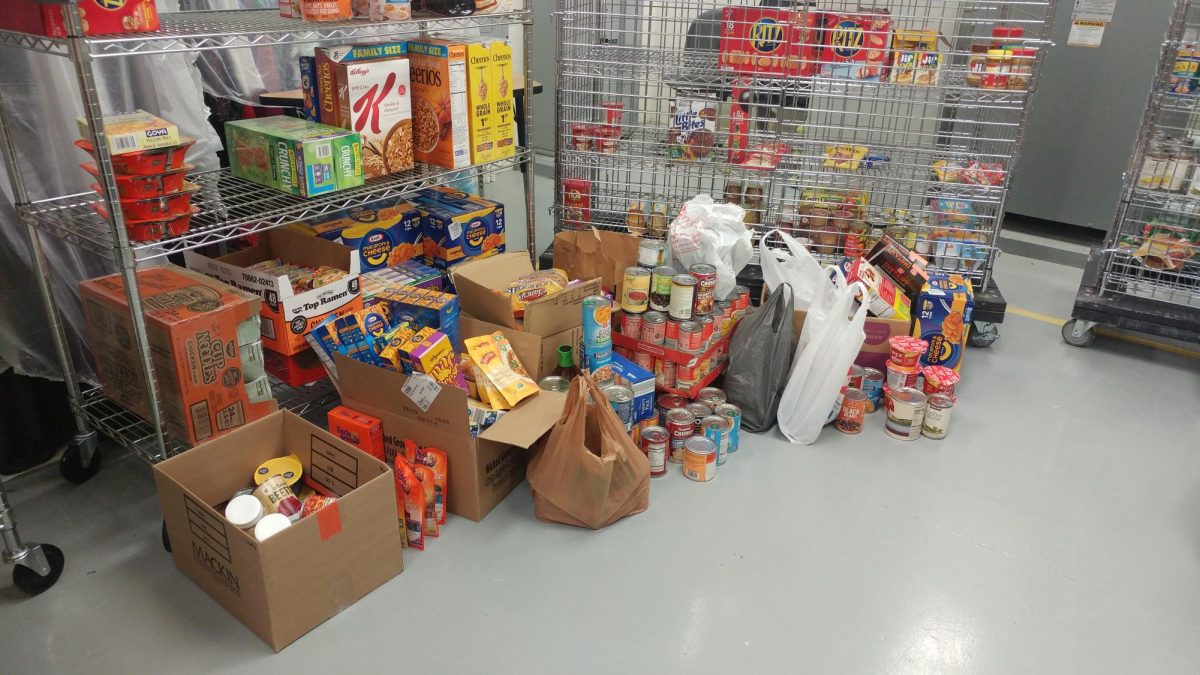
(441, 116)
(100, 17)
(287, 315)
(768, 41)
(374, 99)
(327, 60)
(197, 328)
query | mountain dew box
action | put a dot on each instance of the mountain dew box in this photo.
(295, 156)
(944, 312)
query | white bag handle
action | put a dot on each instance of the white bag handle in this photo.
(795, 266)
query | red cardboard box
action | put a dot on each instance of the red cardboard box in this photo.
(100, 17)
(857, 44)
(769, 41)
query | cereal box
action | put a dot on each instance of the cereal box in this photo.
(134, 132)
(693, 128)
(481, 95)
(764, 41)
(100, 17)
(327, 61)
(295, 156)
(944, 313)
(856, 44)
(308, 84)
(441, 133)
(505, 144)
(458, 227)
(374, 100)
(386, 232)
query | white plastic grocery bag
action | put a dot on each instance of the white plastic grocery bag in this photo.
(798, 268)
(708, 232)
(829, 342)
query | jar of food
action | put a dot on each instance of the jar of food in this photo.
(1154, 165)
(753, 203)
(1020, 73)
(977, 65)
(581, 137)
(1179, 165)
(635, 218)
(995, 73)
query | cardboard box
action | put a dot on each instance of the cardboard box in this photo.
(944, 312)
(286, 315)
(479, 281)
(289, 584)
(441, 134)
(385, 232)
(766, 42)
(483, 470)
(294, 156)
(196, 327)
(503, 83)
(374, 100)
(458, 227)
(100, 17)
(641, 381)
(857, 44)
(362, 431)
(538, 354)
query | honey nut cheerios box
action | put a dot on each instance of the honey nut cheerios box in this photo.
(441, 114)
(944, 311)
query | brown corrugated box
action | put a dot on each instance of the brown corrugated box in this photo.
(479, 282)
(538, 354)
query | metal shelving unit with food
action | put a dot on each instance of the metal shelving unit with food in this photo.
(224, 206)
(835, 123)
(1146, 276)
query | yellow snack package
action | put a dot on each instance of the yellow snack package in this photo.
(496, 359)
(535, 286)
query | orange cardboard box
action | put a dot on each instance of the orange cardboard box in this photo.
(362, 431)
(196, 327)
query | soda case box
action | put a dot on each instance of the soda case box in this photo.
(374, 100)
(385, 232)
(202, 335)
(640, 380)
(943, 318)
(856, 44)
(100, 17)
(295, 156)
(458, 227)
(328, 59)
(764, 41)
(441, 111)
(287, 315)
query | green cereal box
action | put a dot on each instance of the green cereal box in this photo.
(294, 156)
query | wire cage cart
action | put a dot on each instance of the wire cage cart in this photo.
(229, 207)
(831, 121)
(1146, 276)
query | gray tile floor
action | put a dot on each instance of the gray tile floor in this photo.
(1056, 530)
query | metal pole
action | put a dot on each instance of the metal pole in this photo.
(15, 552)
(530, 216)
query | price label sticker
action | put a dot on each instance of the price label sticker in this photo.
(422, 389)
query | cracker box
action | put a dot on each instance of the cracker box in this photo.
(385, 232)
(915, 57)
(327, 61)
(856, 44)
(294, 156)
(374, 100)
(944, 313)
(134, 132)
(884, 299)
(768, 42)
(362, 431)
(459, 227)
(100, 17)
(441, 133)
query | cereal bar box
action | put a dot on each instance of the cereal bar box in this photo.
(944, 312)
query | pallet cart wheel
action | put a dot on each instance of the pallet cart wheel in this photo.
(72, 468)
(166, 538)
(984, 335)
(33, 583)
(1077, 338)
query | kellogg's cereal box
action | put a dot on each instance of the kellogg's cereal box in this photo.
(944, 313)
(856, 44)
(441, 126)
(768, 41)
(374, 100)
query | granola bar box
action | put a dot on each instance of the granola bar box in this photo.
(295, 156)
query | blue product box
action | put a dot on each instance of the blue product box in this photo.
(458, 227)
(425, 308)
(640, 380)
(386, 232)
(308, 83)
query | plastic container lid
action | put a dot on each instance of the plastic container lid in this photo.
(271, 525)
(289, 467)
(244, 511)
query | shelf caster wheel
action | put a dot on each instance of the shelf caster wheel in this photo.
(29, 581)
(984, 335)
(71, 465)
(1079, 333)
(166, 538)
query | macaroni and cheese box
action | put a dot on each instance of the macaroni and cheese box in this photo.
(458, 227)
(424, 308)
(768, 41)
(944, 313)
(441, 113)
(385, 233)
(374, 101)
(640, 380)
(295, 156)
(286, 314)
(196, 327)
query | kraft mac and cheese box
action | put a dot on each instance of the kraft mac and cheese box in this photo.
(640, 380)
(424, 308)
(945, 309)
(385, 233)
(458, 227)
(295, 156)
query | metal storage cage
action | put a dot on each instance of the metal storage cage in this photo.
(230, 207)
(829, 120)
(1146, 276)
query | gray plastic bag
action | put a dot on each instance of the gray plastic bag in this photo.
(760, 359)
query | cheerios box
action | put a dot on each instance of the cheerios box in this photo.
(458, 227)
(441, 113)
(385, 233)
(286, 315)
(944, 312)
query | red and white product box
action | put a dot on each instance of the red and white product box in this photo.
(884, 299)
(374, 99)
(762, 41)
(856, 44)
(100, 17)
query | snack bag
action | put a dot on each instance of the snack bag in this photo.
(439, 463)
(495, 358)
(410, 502)
(429, 521)
(535, 286)
(488, 393)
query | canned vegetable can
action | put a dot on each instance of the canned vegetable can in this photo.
(732, 413)
(683, 293)
(635, 290)
(660, 288)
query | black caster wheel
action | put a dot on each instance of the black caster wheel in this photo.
(33, 583)
(983, 335)
(166, 538)
(72, 468)
(1074, 335)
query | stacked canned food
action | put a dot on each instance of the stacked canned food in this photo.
(596, 355)
(700, 435)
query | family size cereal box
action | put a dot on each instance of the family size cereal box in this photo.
(441, 126)
(458, 227)
(385, 232)
(856, 44)
(308, 85)
(327, 60)
(481, 96)
(944, 312)
(374, 100)
(768, 41)
(295, 156)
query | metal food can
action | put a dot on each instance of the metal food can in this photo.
(706, 287)
(724, 310)
(690, 337)
(716, 429)
(598, 360)
(905, 414)
(708, 328)
(554, 383)
(652, 252)
(656, 443)
(872, 386)
(700, 459)
(660, 288)
(732, 413)
(654, 328)
(668, 402)
(683, 293)
(671, 333)
(741, 297)
(854, 410)
(937, 416)
(621, 399)
(687, 374)
(276, 497)
(664, 373)
(699, 411)
(856, 376)
(631, 325)
(635, 290)
(644, 360)
(899, 377)
(597, 321)
(711, 397)
(681, 424)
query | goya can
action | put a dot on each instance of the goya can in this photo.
(644, 360)
(620, 398)
(664, 373)
(690, 336)
(654, 328)
(711, 397)
(706, 287)
(681, 424)
(699, 411)
(652, 253)
(734, 414)
(854, 411)
(872, 386)
(660, 288)
(937, 416)
(668, 402)
(905, 414)
(635, 290)
(554, 383)
(716, 429)
(631, 325)
(656, 443)
(597, 321)
(683, 293)
(700, 459)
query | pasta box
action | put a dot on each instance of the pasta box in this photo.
(856, 44)
(943, 318)
(458, 227)
(765, 41)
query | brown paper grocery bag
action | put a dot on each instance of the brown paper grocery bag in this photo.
(588, 473)
(591, 253)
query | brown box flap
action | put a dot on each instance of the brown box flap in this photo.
(384, 388)
(529, 421)
(478, 281)
(293, 247)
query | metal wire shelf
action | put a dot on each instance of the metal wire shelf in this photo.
(231, 207)
(232, 29)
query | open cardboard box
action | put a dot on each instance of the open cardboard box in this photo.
(483, 470)
(538, 354)
(289, 584)
(875, 350)
(479, 283)
(287, 315)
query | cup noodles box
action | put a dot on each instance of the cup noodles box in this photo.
(385, 233)
(295, 156)
(856, 44)
(100, 17)
(286, 314)
(374, 101)
(459, 227)
(197, 329)
(943, 318)
(764, 42)
(441, 126)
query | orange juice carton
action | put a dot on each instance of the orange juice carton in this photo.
(362, 431)
(374, 100)
(945, 309)
(134, 132)
(436, 358)
(441, 113)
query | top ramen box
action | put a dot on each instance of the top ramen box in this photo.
(374, 100)
(945, 309)
(100, 17)
(763, 41)
(856, 44)
(441, 114)
(295, 156)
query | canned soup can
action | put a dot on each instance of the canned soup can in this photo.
(937, 416)
(654, 328)
(706, 287)
(597, 321)
(716, 429)
(700, 459)
(683, 292)
(681, 424)
(635, 290)
(656, 443)
(732, 413)
(905, 414)
(621, 399)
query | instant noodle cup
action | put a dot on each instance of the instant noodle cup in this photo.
(154, 229)
(145, 187)
(940, 380)
(145, 162)
(157, 208)
(906, 351)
